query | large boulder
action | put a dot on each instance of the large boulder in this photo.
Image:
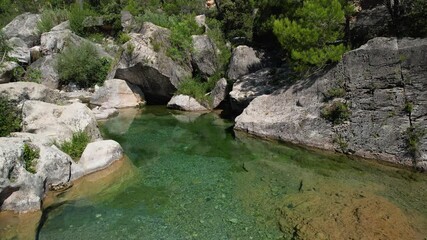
(117, 93)
(58, 123)
(248, 87)
(185, 103)
(20, 91)
(49, 75)
(204, 55)
(97, 156)
(6, 71)
(59, 38)
(20, 190)
(219, 93)
(370, 23)
(382, 84)
(144, 62)
(24, 27)
(19, 51)
(244, 60)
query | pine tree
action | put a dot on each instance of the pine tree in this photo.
(313, 36)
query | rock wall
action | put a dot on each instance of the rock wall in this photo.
(383, 86)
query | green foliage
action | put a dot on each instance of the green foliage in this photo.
(82, 65)
(77, 16)
(416, 18)
(197, 88)
(31, 75)
(215, 33)
(414, 134)
(96, 37)
(123, 38)
(409, 107)
(31, 154)
(10, 117)
(311, 35)
(336, 92)
(50, 18)
(336, 113)
(4, 46)
(75, 147)
(237, 18)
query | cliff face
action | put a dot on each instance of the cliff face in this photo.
(382, 84)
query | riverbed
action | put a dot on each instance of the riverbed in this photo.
(190, 176)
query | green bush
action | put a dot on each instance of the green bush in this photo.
(237, 18)
(10, 117)
(123, 38)
(414, 134)
(336, 92)
(82, 65)
(50, 18)
(336, 113)
(77, 16)
(215, 33)
(311, 35)
(30, 155)
(75, 147)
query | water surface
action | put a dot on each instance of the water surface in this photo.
(192, 178)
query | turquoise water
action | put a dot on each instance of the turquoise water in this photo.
(194, 179)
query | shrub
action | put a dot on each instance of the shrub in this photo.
(414, 134)
(30, 155)
(10, 117)
(123, 38)
(215, 33)
(336, 113)
(311, 36)
(51, 18)
(82, 65)
(336, 92)
(77, 16)
(75, 147)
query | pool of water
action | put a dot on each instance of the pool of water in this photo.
(189, 176)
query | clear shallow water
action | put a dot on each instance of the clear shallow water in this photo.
(191, 178)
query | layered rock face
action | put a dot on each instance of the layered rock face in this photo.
(144, 62)
(382, 84)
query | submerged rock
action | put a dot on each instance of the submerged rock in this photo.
(185, 103)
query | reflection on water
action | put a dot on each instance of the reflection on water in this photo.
(192, 179)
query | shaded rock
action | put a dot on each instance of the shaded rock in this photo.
(219, 93)
(20, 91)
(58, 122)
(204, 56)
(6, 71)
(370, 23)
(24, 27)
(49, 75)
(97, 156)
(244, 60)
(144, 62)
(102, 113)
(185, 103)
(53, 165)
(19, 51)
(378, 80)
(117, 93)
(248, 87)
